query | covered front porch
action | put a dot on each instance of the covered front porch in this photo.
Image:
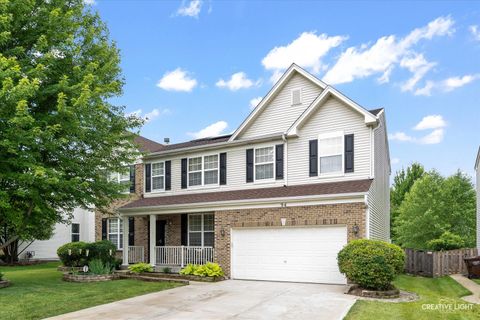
(169, 240)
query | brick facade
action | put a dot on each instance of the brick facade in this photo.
(335, 214)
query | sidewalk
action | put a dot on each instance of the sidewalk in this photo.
(470, 285)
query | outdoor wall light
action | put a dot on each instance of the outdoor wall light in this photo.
(356, 229)
(222, 232)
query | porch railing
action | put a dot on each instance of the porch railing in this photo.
(183, 255)
(135, 254)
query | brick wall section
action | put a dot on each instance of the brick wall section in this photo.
(335, 214)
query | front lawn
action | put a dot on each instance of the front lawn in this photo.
(432, 292)
(38, 292)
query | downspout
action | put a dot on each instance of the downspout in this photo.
(367, 218)
(285, 156)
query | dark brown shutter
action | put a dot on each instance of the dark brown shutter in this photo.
(184, 173)
(104, 229)
(279, 161)
(132, 179)
(148, 177)
(223, 168)
(184, 229)
(249, 165)
(313, 158)
(168, 175)
(348, 153)
(131, 231)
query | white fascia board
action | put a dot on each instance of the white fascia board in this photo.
(248, 204)
(477, 163)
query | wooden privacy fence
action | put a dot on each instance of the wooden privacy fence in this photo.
(437, 263)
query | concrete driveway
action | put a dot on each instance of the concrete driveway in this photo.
(231, 299)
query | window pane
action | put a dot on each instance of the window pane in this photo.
(113, 177)
(264, 171)
(331, 164)
(211, 162)
(195, 239)
(195, 164)
(330, 146)
(120, 221)
(264, 155)
(75, 228)
(157, 183)
(208, 222)
(211, 177)
(157, 169)
(125, 185)
(75, 237)
(120, 241)
(208, 239)
(195, 222)
(195, 179)
(114, 239)
(113, 225)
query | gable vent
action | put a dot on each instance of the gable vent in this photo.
(296, 96)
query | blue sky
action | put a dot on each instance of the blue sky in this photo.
(194, 67)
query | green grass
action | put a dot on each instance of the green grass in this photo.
(431, 291)
(38, 292)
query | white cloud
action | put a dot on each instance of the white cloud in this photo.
(431, 122)
(254, 102)
(177, 80)
(446, 85)
(474, 30)
(384, 54)
(191, 9)
(237, 81)
(307, 51)
(436, 136)
(394, 161)
(418, 66)
(400, 136)
(151, 115)
(90, 2)
(212, 130)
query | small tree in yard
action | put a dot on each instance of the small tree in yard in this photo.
(59, 135)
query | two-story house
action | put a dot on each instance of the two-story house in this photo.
(306, 172)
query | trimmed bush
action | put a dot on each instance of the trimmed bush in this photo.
(205, 270)
(371, 264)
(1, 276)
(447, 241)
(140, 267)
(98, 267)
(73, 254)
(103, 250)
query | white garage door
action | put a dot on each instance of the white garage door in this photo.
(299, 254)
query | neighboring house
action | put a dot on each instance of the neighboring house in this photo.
(82, 228)
(305, 173)
(477, 182)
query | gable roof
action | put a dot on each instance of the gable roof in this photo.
(477, 163)
(194, 143)
(146, 145)
(329, 91)
(273, 92)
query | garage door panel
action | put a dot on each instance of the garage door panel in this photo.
(302, 254)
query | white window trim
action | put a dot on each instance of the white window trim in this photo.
(75, 233)
(326, 136)
(119, 180)
(301, 97)
(203, 185)
(255, 165)
(152, 176)
(202, 231)
(118, 233)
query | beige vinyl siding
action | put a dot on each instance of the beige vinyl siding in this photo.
(332, 116)
(279, 114)
(379, 194)
(236, 171)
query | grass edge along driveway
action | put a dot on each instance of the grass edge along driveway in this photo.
(38, 292)
(432, 291)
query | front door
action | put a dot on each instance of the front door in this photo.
(160, 233)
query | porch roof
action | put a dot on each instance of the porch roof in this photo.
(331, 188)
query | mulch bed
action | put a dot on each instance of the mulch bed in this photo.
(391, 295)
(184, 277)
(78, 277)
(23, 263)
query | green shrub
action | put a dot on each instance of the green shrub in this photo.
(205, 270)
(372, 264)
(103, 250)
(117, 263)
(447, 241)
(73, 254)
(1, 276)
(167, 270)
(97, 266)
(140, 267)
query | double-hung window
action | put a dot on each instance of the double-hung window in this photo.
(158, 176)
(123, 178)
(201, 230)
(75, 232)
(330, 153)
(203, 170)
(264, 163)
(115, 232)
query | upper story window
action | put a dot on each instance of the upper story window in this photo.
(203, 170)
(330, 153)
(158, 176)
(122, 178)
(75, 232)
(264, 163)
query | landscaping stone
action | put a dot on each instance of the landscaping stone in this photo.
(182, 276)
(4, 284)
(72, 277)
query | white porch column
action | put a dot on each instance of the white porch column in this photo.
(153, 225)
(125, 240)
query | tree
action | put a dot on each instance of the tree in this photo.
(59, 133)
(437, 213)
(402, 183)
